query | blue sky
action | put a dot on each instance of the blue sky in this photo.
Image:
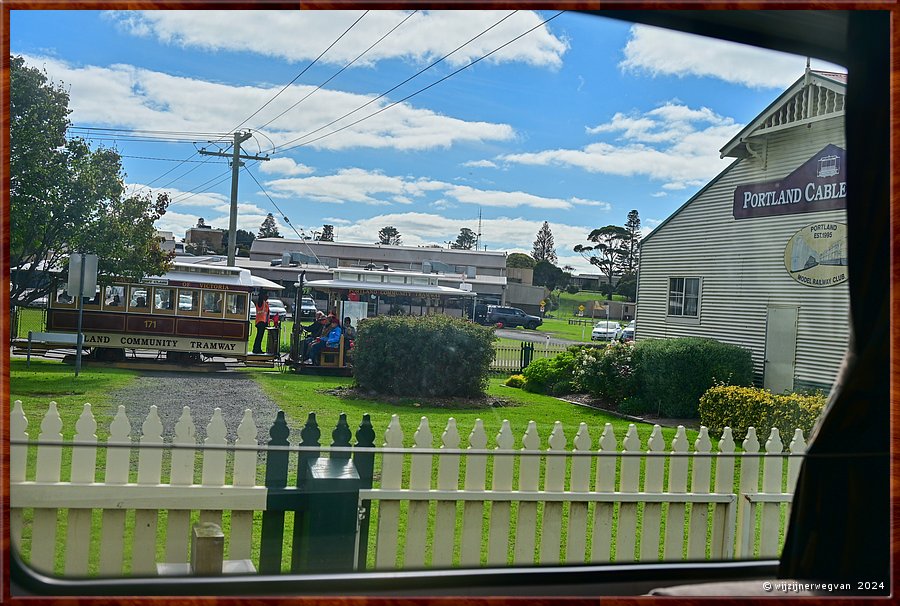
(575, 123)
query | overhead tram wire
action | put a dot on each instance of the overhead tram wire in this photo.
(302, 72)
(275, 150)
(193, 134)
(410, 96)
(338, 73)
(302, 238)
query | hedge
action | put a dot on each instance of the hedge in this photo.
(423, 356)
(670, 375)
(551, 375)
(742, 407)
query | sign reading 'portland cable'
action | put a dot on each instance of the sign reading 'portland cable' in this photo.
(818, 184)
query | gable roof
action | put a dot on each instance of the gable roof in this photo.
(817, 95)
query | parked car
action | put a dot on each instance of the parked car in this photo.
(307, 308)
(626, 333)
(604, 330)
(276, 306)
(510, 317)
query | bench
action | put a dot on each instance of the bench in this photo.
(333, 356)
(49, 338)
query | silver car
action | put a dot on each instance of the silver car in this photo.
(604, 330)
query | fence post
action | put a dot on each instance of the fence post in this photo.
(365, 465)
(309, 436)
(272, 533)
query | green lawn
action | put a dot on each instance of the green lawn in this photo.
(561, 329)
(568, 303)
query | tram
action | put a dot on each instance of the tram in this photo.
(191, 312)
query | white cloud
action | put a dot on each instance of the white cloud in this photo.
(285, 166)
(336, 221)
(300, 36)
(131, 97)
(672, 143)
(367, 187)
(480, 164)
(668, 52)
(659, 194)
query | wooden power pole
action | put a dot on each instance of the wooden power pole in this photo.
(236, 165)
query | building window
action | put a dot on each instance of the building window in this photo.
(684, 297)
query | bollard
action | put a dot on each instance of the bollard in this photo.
(207, 549)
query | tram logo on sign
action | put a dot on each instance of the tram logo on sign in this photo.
(817, 255)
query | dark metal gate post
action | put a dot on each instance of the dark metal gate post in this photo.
(364, 458)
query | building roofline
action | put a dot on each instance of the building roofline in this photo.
(701, 191)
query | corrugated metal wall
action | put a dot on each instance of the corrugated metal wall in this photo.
(741, 265)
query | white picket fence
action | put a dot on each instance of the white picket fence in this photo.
(508, 357)
(550, 501)
(120, 491)
(614, 518)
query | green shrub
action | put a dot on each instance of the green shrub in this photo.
(671, 374)
(606, 372)
(515, 381)
(423, 356)
(544, 373)
(742, 407)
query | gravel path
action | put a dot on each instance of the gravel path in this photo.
(170, 391)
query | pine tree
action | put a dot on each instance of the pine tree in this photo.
(544, 250)
(465, 240)
(268, 229)
(327, 234)
(389, 235)
(632, 256)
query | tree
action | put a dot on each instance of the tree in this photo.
(519, 261)
(549, 275)
(465, 240)
(389, 235)
(243, 241)
(608, 251)
(269, 228)
(327, 234)
(627, 286)
(66, 197)
(543, 245)
(201, 223)
(632, 243)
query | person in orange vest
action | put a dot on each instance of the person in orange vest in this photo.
(262, 320)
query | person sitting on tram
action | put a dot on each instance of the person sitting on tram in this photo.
(348, 329)
(314, 331)
(331, 340)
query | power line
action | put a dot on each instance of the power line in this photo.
(338, 73)
(164, 159)
(302, 72)
(421, 71)
(410, 96)
(189, 158)
(194, 134)
(283, 216)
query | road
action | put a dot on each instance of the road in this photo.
(535, 337)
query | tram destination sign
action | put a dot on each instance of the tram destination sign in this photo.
(818, 184)
(166, 343)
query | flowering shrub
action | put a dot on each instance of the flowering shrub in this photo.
(606, 372)
(742, 407)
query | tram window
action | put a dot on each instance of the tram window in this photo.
(162, 299)
(396, 279)
(212, 303)
(114, 297)
(371, 278)
(236, 305)
(62, 299)
(94, 302)
(188, 301)
(138, 298)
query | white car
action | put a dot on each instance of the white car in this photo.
(626, 333)
(277, 307)
(604, 330)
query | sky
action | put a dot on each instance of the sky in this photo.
(420, 120)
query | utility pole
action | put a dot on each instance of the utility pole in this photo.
(236, 165)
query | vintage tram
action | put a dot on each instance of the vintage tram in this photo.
(191, 312)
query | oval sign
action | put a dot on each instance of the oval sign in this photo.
(817, 255)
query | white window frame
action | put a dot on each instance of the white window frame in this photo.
(682, 316)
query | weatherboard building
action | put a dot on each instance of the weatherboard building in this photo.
(758, 257)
